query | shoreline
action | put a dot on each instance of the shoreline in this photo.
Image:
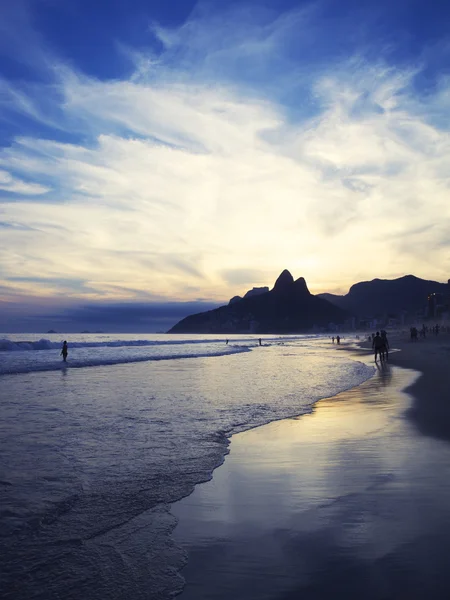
(430, 407)
(251, 520)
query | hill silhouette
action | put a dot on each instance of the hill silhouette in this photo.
(288, 308)
(387, 296)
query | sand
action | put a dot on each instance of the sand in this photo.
(430, 409)
(351, 501)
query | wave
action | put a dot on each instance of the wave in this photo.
(7, 345)
(10, 346)
(100, 362)
(45, 344)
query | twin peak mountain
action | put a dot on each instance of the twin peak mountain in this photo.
(288, 308)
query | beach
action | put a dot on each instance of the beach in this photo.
(93, 452)
(151, 466)
(350, 501)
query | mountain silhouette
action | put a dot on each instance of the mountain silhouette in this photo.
(387, 296)
(288, 308)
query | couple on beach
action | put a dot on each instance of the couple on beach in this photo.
(380, 345)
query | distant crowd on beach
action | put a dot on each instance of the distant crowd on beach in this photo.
(424, 331)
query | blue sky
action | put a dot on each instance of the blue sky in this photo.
(183, 152)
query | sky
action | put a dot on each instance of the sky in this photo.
(158, 158)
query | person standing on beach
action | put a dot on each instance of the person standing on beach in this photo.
(260, 342)
(338, 339)
(385, 348)
(64, 351)
(377, 345)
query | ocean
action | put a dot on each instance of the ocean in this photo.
(93, 452)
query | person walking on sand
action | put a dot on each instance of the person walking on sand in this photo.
(377, 345)
(385, 348)
(64, 351)
(332, 339)
(338, 339)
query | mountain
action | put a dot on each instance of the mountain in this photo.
(256, 292)
(387, 296)
(288, 308)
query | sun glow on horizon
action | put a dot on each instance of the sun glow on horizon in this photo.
(229, 152)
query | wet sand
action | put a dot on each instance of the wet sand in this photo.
(430, 408)
(351, 501)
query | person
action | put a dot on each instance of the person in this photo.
(385, 348)
(338, 339)
(260, 341)
(332, 339)
(377, 345)
(64, 351)
(226, 342)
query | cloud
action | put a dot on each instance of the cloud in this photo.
(9, 183)
(244, 277)
(242, 147)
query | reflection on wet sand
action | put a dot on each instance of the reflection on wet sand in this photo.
(349, 501)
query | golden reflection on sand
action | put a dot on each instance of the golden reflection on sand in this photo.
(351, 483)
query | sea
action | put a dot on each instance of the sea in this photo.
(94, 451)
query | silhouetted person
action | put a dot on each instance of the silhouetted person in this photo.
(260, 342)
(385, 346)
(377, 345)
(226, 342)
(338, 339)
(332, 339)
(64, 351)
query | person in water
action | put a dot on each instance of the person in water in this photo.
(64, 351)
(260, 343)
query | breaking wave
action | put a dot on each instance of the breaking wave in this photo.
(7, 345)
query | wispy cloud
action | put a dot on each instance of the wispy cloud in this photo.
(245, 278)
(242, 147)
(8, 183)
